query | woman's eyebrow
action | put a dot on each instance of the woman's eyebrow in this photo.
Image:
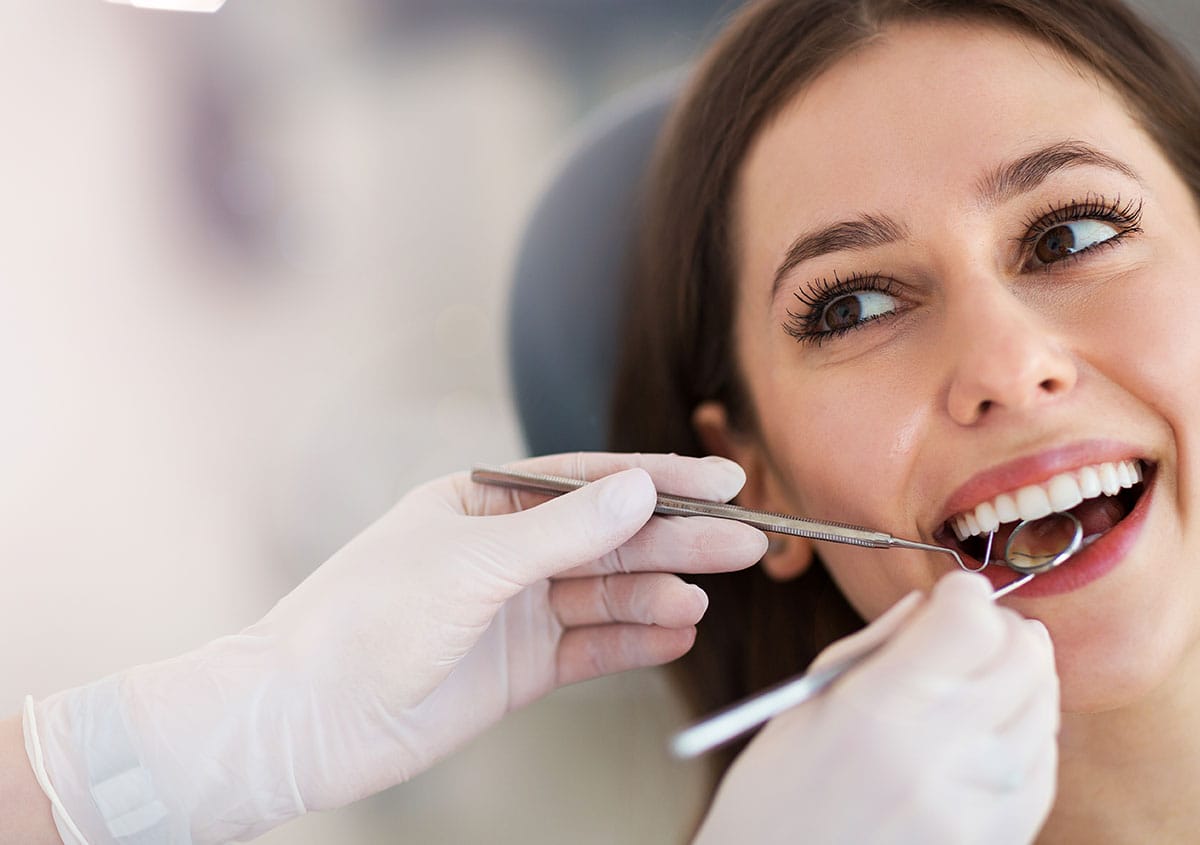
(863, 232)
(1019, 176)
(1024, 174)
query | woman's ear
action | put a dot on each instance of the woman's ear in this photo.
(786, 557)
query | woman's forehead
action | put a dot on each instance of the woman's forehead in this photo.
(922, 110)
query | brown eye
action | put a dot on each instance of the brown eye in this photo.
(1070, 238)
(1055, 244)
(851, 310)
(843, 307)
(843, 313)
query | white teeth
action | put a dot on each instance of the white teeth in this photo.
(1006, 508)
(960, 528)
(1110, 482)
(1089, 483)
(1033, 502)
(1126, 474)
(1062, 492)
(986, 516)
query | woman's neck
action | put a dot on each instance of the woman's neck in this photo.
(1132, 775)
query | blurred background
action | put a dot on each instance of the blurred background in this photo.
(252, 289)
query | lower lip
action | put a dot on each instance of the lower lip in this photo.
(1101, 557)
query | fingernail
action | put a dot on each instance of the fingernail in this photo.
(735, 476)
(703, 597)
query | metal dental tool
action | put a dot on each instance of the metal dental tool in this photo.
(813, 529)
(737, 719)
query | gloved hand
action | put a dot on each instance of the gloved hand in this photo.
(461, 604)
(947, 734)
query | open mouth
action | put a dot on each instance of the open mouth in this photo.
(1098, 495)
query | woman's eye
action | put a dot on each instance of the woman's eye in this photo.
(1069, 238)
(851, 309)
(834, 308)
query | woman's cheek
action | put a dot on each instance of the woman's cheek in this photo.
(1120, 331)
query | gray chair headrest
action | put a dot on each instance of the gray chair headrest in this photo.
(564, 312)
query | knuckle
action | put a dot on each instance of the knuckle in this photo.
(597, 659)
(619, 561)
(609, 604)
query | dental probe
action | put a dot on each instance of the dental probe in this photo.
(743, 716)
(667, 505)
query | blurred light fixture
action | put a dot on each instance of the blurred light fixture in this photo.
(174, 5)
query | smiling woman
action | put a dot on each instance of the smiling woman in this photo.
(929, 265)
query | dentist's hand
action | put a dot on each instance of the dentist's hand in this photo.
(946, 735)
(461, 604)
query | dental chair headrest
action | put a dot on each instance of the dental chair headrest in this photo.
(570, 274)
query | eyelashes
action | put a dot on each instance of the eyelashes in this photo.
(806, 326)
(1125, 216)
(1053, 239)
(823, 289)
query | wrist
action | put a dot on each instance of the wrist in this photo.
(182, 751)
(87, 764)
(25, 813)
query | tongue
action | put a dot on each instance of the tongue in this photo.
(1099, 514)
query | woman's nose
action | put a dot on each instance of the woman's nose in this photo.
(1003, 359)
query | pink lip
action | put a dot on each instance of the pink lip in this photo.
(1032, 469)
(1096, 560)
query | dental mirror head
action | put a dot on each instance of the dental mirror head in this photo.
(1038, 545)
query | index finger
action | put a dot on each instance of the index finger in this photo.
(712, 478)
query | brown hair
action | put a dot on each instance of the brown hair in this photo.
(677, 344)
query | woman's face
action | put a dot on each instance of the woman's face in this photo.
(968, 280)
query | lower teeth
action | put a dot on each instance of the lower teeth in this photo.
(1089, 539)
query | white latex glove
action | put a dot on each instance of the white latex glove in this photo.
(946, 735)
(453, 609)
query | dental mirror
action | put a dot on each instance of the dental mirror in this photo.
(1038, 545)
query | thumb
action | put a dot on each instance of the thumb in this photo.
(575, 528)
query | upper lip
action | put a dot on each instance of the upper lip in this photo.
(1031, 469)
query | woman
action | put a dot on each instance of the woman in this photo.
(917, 264)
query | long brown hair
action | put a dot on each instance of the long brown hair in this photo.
(677, 347)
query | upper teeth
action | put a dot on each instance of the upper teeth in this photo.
(1060, 493)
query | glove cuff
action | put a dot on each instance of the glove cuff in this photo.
(85, 760)
(68, 831)
(189, 750)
